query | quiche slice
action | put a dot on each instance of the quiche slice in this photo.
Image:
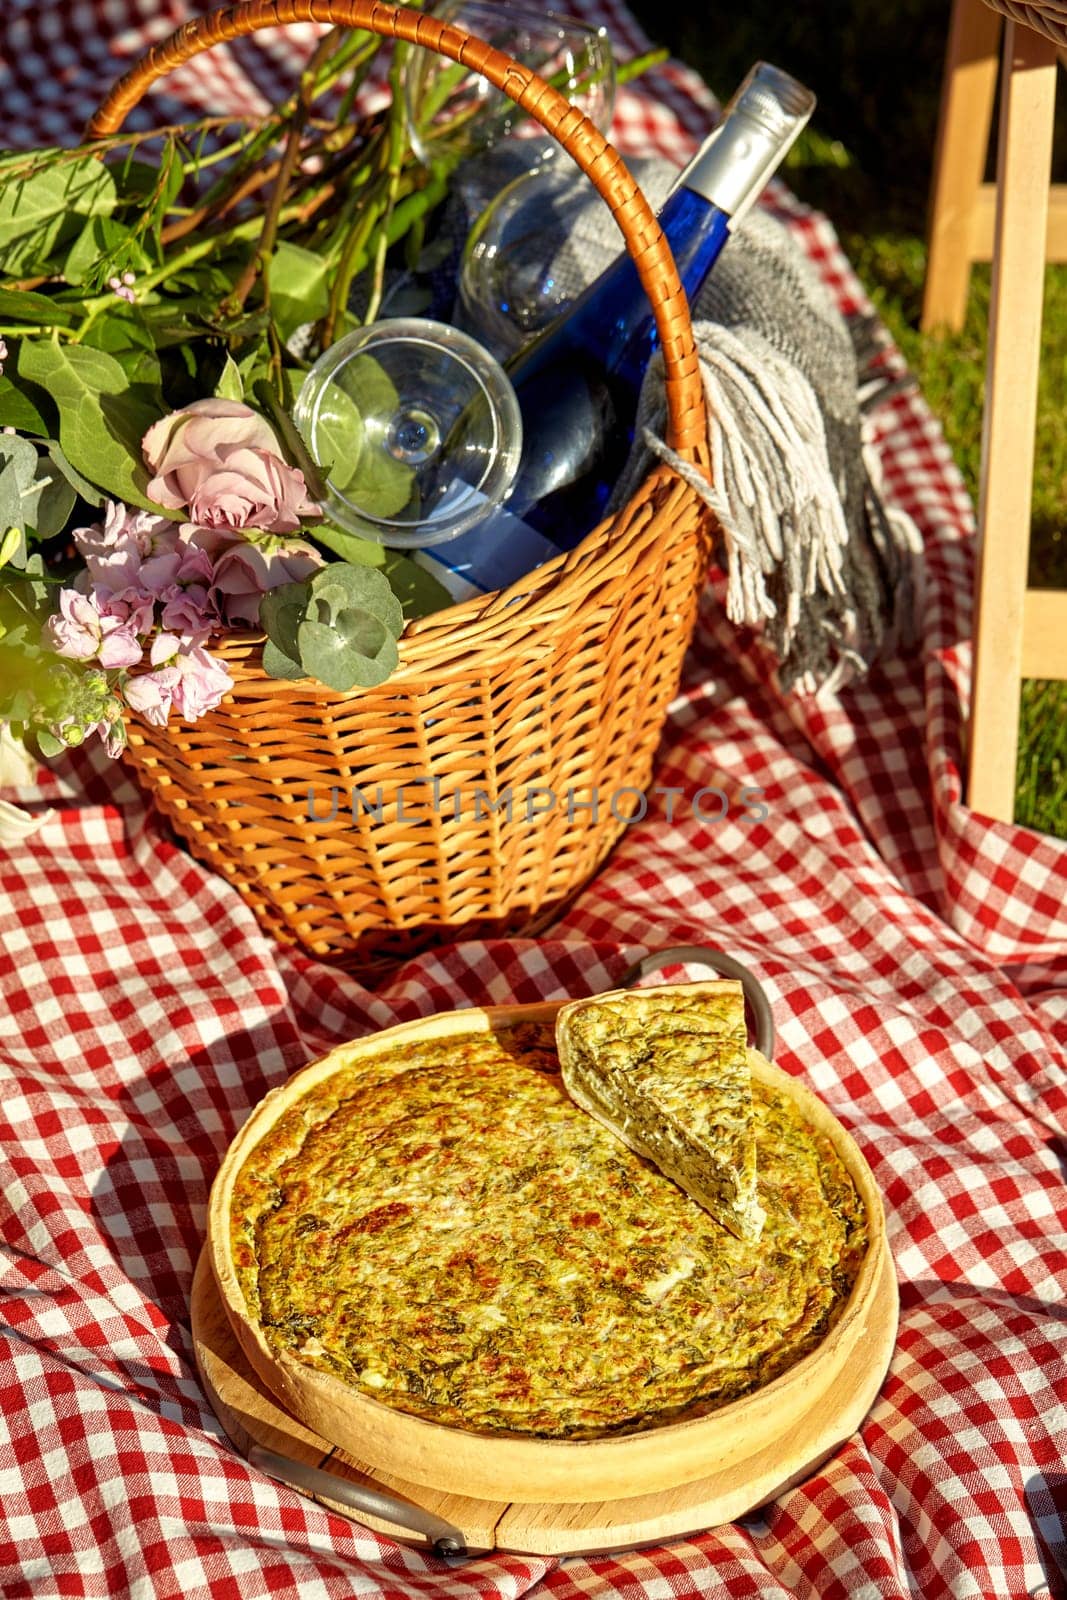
(667, 1071)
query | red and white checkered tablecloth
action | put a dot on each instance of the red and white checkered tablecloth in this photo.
(915, 954)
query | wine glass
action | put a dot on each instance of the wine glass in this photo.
(456, 115)
(522, 263)
(416, 429)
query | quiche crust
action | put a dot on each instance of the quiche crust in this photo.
(438, 1226)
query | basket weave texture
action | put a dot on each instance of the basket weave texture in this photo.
(484, 783)
(1043, 16)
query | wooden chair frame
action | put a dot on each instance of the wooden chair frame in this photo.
(1018, 223)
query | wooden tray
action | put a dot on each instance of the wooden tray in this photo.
(551, 1471)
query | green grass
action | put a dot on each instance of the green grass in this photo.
(876, 67)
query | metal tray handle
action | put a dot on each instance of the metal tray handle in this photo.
(445, 1539)
(761, 1018)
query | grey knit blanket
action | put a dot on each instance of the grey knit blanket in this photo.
(814, 556)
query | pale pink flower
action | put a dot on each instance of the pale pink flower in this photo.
(75, 630)
(219, 459)
(119, 649)
(213, 541)
(245, 572)
(118, 552)
(152, 694)
(132, 609)
(113, 734)
(202, 682)
(189, 606)
(84, 630)
(185, 677)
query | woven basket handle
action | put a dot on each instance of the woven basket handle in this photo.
(686, 425)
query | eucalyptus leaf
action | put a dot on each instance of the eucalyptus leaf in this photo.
(51, 500)
(37, 213)
(418, 591)
(342, 587)
(281, 612)
(18, 468)
(102, 422)
(330, 657)
(362, 632)
(276, 664)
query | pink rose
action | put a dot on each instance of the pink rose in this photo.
(245, 572)
(219, 459)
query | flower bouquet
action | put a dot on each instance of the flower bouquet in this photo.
(158, 297)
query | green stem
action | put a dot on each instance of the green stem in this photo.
(370, 204)
(18, 330)
(259, 260)
(627, 71)
(397, 148)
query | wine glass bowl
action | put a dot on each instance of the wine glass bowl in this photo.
(521, 265)
(416, 429)
(455, 113)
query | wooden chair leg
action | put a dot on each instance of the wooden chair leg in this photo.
(1024, 161)
(968, 90)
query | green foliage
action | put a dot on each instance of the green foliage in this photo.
(340, 626)
(299, 287)
(155, 269)
(43, 207)
(51, 701)
(417, 590)
(103, 415)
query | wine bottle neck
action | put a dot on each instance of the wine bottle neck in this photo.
(732, 167)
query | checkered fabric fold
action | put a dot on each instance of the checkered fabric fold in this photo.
(914, 952)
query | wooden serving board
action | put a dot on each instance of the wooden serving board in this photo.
(251, 1415)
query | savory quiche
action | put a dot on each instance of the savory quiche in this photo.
(440, 1227)
(667, 1071)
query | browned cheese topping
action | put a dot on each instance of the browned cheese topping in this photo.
(440, 1227)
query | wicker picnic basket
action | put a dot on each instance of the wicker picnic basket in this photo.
(1043, 16)
(479, 787)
